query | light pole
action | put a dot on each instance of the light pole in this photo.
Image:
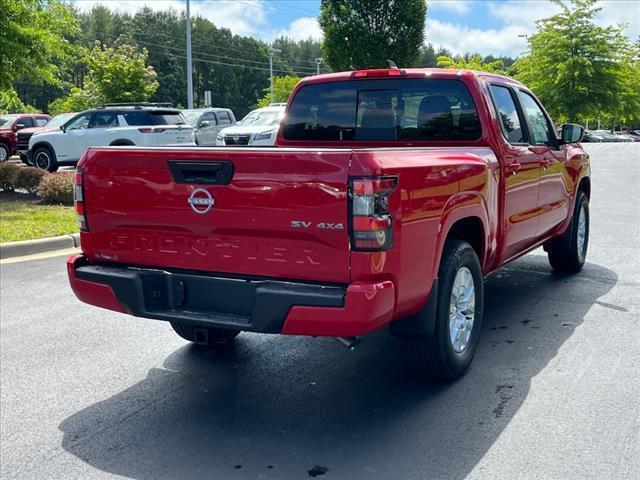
(318, 62)
(272, 52)
(189, 66)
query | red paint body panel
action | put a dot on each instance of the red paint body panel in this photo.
(8, 131)
(265, 222)
(89, 292)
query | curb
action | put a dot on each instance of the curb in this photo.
(29, 247)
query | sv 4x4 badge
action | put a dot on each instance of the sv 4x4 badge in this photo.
(321, 225)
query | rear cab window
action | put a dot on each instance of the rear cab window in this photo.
(407, 109)
(508, 115)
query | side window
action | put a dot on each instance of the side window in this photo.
(509, 118)
(104, 120)
(538, 125)
(223, 118)
(26, 121)
(135, 118)
(208, 117)
(80, 122)
(41, 121)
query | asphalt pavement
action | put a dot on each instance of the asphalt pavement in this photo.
(554, 392)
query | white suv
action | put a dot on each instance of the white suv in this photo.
(145, 124)
(258, 128)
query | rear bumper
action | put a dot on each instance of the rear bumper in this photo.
(267, 306)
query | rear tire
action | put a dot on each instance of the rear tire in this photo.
(448, 352)
(205, 336)
(24, 159)
(45, 159)
(568, 253)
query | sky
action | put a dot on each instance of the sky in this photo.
(461, 26)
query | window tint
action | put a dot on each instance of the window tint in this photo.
(406, 109)
(509, 118)
(41, 121)
(80, 122)
(538, 126)
(223, 118)
(104, 120)
(26, 121)
(167, 118)
(137, 118)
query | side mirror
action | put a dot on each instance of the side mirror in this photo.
(204, 124)
(63, 128)
(571, 133)
(19, 126)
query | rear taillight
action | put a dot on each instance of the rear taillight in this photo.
(371, 221)
(78, 198)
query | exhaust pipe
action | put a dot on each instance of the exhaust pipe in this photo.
(349, 342)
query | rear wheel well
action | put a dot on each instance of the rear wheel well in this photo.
(470, 230)
(585, 186)
(121, 142)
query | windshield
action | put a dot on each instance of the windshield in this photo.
(6, 120)
(262, 118)
(59, 119)
(192, 117)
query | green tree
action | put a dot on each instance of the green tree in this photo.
(121, 74)
(10, 102)
(474, 62)
(33, 40)
(365, 34)
(573, 65)
(282, 88)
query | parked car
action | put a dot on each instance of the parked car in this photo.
(10, 124)
(373, 216)
(23, 136)
(208, 122)
(258, 128)
(607, 136)
(142, 124)
(591, 136)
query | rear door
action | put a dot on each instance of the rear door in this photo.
(257, 212)
(521, 173)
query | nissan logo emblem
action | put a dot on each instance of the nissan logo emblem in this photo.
(201, 201)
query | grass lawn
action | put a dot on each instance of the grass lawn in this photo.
(23, 218)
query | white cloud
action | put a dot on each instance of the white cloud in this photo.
(302, 28)
(242, 17)
(460, 7)
(519, 18)
(460, 40)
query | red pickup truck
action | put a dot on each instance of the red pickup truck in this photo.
(390, 195)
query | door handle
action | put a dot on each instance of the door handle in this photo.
(515, 167)
(545, 162)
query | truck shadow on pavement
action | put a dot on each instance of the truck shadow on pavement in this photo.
(288, 407)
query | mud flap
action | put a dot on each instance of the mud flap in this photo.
(421, 323)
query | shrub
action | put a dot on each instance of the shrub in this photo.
(29, 178)
(57, 187)
(8, 172)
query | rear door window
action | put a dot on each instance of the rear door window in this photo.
(508, 114)
(223, 118)
(137, 118)
(384, 110)
(41, 121)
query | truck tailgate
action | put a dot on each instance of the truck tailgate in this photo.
(282, 212)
